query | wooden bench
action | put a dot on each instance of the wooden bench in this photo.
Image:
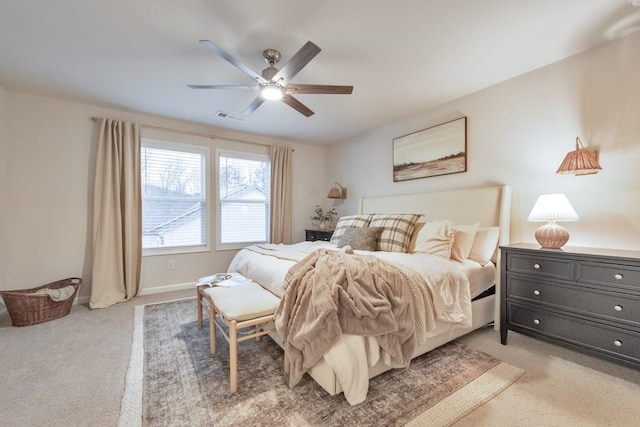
(240, 306)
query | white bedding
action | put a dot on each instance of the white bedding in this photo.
(480, 277)
(449, 282)
(270, 271)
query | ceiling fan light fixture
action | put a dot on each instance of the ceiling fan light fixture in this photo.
(271, 92)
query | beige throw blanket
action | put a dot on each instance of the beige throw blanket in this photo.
(329, 293)
(58, 294)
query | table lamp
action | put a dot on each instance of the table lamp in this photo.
(550, 208)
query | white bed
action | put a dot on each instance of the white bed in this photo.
(488, 206)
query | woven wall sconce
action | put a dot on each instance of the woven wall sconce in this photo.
(337, 192)
(579, 162)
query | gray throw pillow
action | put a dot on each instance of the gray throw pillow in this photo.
(363, 238)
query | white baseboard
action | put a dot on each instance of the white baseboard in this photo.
(167, 288)
(148, 291)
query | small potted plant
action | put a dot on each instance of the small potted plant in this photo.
(323, 219)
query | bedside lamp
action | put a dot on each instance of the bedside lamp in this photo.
(550, 208)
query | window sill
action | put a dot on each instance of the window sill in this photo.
(236, 246)
(174, 251)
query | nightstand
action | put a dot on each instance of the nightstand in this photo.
(313, 235)
(584, 298)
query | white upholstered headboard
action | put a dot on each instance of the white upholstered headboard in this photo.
(487, 206)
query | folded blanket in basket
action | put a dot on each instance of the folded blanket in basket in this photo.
(57, 294)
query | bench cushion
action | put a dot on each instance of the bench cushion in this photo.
(243, 301)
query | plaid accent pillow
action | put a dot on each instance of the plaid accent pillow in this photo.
(350, 221)
(397, 231)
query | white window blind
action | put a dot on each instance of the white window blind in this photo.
(174, 204)
(243, 212)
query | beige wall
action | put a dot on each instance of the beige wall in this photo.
(518, 132)
(48, 155)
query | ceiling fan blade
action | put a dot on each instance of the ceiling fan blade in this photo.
(251, 87)
(293, 88)
(233, 61)
(297, 105)
(297, 62)
(258, 100)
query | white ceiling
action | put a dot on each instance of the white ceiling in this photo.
(402, 57)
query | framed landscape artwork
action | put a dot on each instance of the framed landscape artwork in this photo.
(439, 150)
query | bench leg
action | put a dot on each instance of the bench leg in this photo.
(233, 356)
(199, 295)
(212, 329)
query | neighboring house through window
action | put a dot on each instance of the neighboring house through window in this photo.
(174, 196)
(243, 198)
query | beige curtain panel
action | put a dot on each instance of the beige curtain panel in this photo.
(117, 214)
(281, 194)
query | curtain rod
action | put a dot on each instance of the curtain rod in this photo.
(186, 132)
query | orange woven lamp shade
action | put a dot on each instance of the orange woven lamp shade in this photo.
(579, 162)
(337, 192)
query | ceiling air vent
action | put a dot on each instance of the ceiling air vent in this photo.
(231, 116)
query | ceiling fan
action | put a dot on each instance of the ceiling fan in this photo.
(273, 84)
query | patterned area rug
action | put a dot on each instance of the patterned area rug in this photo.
(174, 380)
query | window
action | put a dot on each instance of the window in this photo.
(243, 198)
(174, 201)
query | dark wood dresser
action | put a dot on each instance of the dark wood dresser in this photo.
(313, 235)
(585, 298)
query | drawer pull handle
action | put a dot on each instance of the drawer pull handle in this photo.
(618, 276)
(537, 322)
(617, 307)
(617, 343)
(536, 292)
(536, 266)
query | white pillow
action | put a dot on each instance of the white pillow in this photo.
(484, 245)
(463, 238)
(435, 238)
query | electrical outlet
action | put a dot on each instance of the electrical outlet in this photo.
(171, 265)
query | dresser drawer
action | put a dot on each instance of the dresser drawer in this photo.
(602, 303)
(608, 274)
(612, 341)
(540, 266)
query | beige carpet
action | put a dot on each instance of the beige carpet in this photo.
(173, 380)
(71, 372)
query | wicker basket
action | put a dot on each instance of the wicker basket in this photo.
(27, 308)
